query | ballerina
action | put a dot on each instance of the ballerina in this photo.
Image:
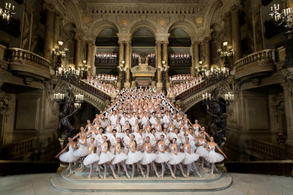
(176, 157)
(68, 156)
(190, 158)
(214, 157)
(81, 151)
(88, 126)
(149, 157)
(201, 150)
(134, 156)
(106, 157)
(92, 158)
(163, 157)
(119, 158)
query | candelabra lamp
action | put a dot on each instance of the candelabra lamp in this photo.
(201, 70)
(7, 12)
(69, 104)
(284, 17)
(84, 69)
(225, 53)
(122, 69)
(216, 125)
(60, 53)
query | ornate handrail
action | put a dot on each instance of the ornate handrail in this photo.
(11, 150)
(21, 54)
(267, 148)
(87, 87)
(264, 55)
(198, 87)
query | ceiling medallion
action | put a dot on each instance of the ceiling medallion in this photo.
(124, 22)
(86, 19)
(198, 20)
(162, 22)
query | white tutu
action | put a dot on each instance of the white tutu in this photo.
(163, 157)
(120, 135)
(106, 157)
(119, 158)
(148, 158)
(104, 124)
(81, 151)
(176, 159)
(91, 158)
(202, 151)
(68, 156)
(133, 157)
(214, 157)
(189, 158)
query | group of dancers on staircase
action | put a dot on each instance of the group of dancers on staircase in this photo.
(141, 127)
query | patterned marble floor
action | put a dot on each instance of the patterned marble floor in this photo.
(39, 184)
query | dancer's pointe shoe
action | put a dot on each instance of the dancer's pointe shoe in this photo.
(80, 168)
(213, 175)
(173, 176)
(199, 175)
(101, 176)
(162, 176)
(146, 176)
(185, 176)
(142, 173)
(71, 173)
(115, 176)
(203, 168)
(104, 177)
(217, 170)
(132, 176)
(158, 176)
(127, 176)
(89, 176)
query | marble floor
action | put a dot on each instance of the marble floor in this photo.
(39, 184)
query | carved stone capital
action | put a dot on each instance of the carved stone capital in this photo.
(4, 99)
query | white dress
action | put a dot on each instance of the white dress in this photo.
(213, 156)
(82, 149)
(104, 123)
(105, 157)
(68, 156)
(119, 157)
(162, 156)
(133, 157)
(201, 150)
(91, 158)
(176, 159)
(89, 139)
(148, 157)
(189, 158)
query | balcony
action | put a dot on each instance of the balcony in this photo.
(28, 65)
(255, 65)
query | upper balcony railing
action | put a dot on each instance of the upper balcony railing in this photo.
(256, 63)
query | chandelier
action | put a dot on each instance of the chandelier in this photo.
(7, 12)
(280, 16)
(227, 51)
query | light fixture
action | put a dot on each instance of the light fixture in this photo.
(200, 62)
(225, 43)
(60, 43)
(84, 61)
(229, 97)
(206, 97)
(7, 12)
(163, 62)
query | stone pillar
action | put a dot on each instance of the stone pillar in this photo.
(121, 58)
(228, 29)
(159, 65)
(127, 65)
(56, 29)
(165, 58)
(195, 58)
(91, 58)
(49, 33)
(77, 52)
(207, 50)
(236, 40)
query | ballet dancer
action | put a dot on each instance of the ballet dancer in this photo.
(119, 158)
(92, 158)
(176, 157)
(190, 158)
(81, 151)
(68, 156)
(201, 148)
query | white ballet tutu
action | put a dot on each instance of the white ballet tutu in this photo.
(214, 157)
(119, 158)
(148, 158)
(189, 158)
(133, 157)
(106, 157)
(163, 157)
(81, 151)
(91, 158)
(104, 124)
(158, 134)
(176, 159)
(68, 157)
(202, 151)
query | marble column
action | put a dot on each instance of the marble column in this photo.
(56, 29)
(91, 58)
(49, 34)
(127, 65)
(159, 65)
(228, 29)
(236, 40)
(77, 58)
(121, 58)
(195, 59)
(165, 58)
(207, 49)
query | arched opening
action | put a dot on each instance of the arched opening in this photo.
(107, 50)
(143, 44)
(179, 50)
